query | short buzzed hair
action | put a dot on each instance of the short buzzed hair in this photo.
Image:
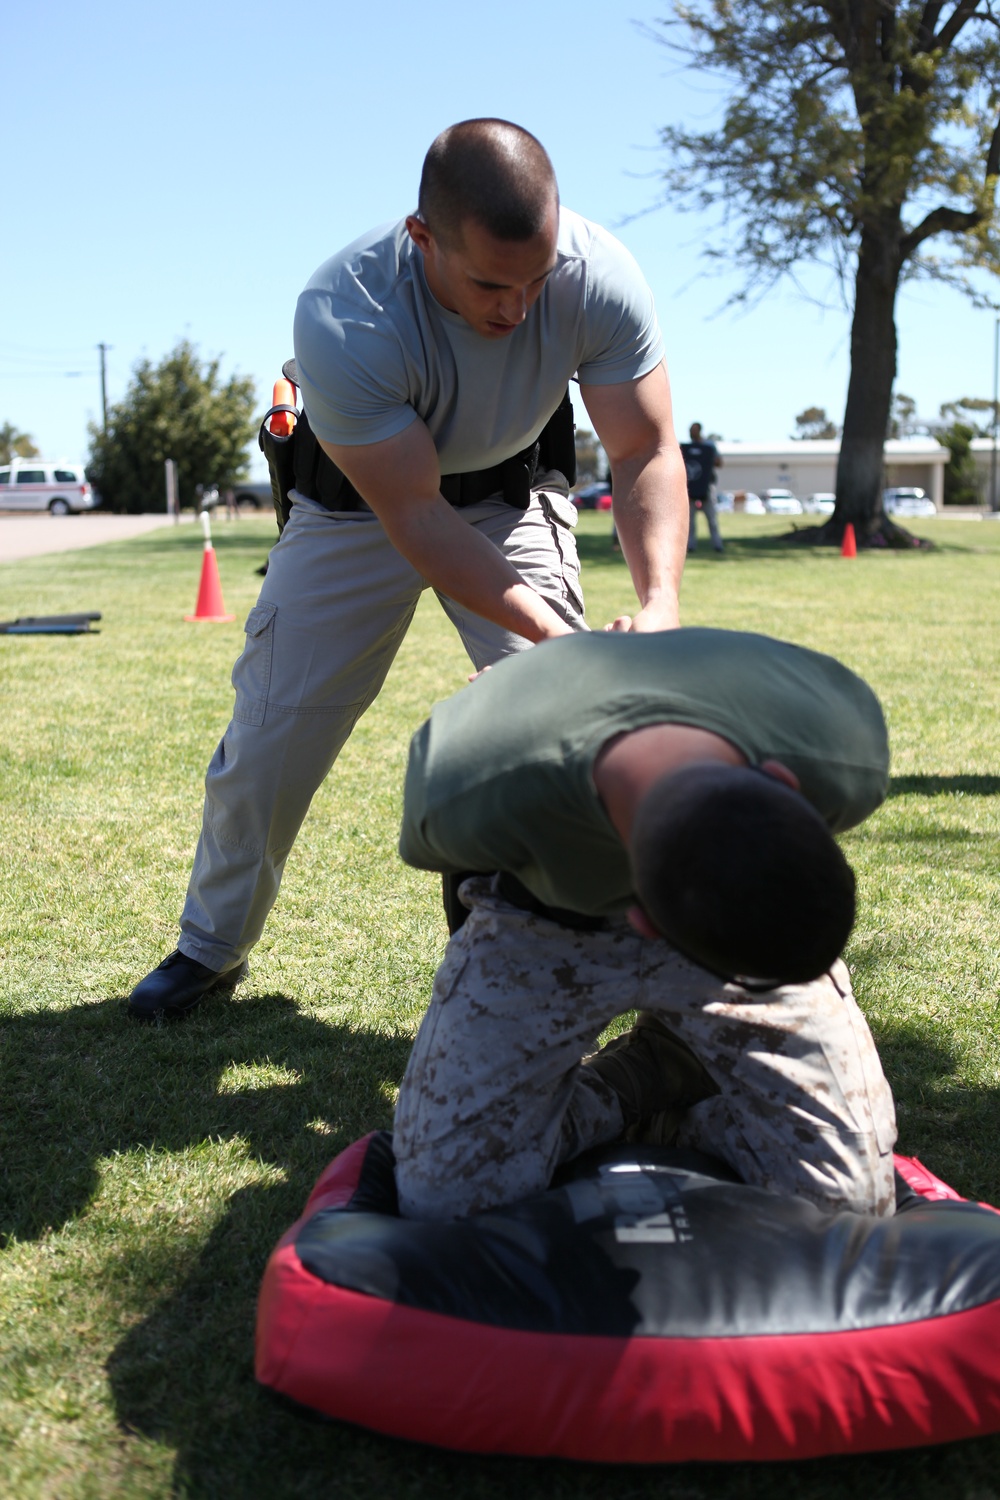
(490, 171)
(741, 875)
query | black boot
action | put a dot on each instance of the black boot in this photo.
(651, 1070)
(176, 986)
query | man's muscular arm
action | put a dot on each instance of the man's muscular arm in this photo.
(400, 479)
(635, 425)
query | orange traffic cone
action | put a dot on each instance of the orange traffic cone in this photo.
(211, 605)
(849, 546)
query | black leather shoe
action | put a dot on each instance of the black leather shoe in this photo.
(176, 986)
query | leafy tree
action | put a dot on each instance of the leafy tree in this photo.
(960, 487)
(968, 410)
(862, 135)
(178, 409)
(961, 421)
(14, 444)
(814, 423)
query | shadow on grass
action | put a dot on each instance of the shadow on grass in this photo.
(916, 1058)
(82, 1083)
(597, 549)
(919, 1057)
(952, 1124)
(944, 786)
(917, 835)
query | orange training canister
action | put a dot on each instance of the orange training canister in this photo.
(282, 422)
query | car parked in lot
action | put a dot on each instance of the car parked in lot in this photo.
(40, 484)
(782, 503)
(247, 495)
(907, 500)
(820, 504)
(742, 500)
(253, 494)
(593, 497)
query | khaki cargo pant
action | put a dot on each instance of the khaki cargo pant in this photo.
(333, 609)
(494, 1097)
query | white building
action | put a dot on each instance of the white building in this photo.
(987, 471)
(810, 467)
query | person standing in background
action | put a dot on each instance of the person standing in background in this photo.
(701, 460)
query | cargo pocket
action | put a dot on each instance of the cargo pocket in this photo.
(561, 516)
(560, 509)
(252, 672)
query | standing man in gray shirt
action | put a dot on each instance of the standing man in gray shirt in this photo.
(431, 354)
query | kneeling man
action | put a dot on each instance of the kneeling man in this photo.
(653, 820)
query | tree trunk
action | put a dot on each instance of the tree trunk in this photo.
(860, 468)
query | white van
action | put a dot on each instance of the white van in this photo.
(41, 484)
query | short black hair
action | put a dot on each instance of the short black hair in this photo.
(491, 171)
(741, 874)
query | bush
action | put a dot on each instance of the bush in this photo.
(177, 409)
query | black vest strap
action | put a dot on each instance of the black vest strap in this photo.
(317, 476)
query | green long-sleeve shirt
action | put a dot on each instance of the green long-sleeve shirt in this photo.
(500, 776)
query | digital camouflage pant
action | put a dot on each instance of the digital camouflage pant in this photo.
(494, 1097)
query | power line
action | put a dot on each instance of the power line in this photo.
(57, 351)
(75, 359)
(47, 374)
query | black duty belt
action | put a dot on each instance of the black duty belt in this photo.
(511, 889)
(318, 478)
(512, 479)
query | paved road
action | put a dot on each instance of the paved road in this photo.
(32, 536)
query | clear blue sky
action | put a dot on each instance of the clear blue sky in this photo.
(179, 171)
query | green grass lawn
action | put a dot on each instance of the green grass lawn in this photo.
(145, 1174)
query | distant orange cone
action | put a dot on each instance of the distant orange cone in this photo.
(210, 605)
(849, 546)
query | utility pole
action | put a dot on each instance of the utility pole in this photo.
(104, 387)
(173, 509)
(994, 498)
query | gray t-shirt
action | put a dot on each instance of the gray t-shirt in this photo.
(501, 775)
(375, 349)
